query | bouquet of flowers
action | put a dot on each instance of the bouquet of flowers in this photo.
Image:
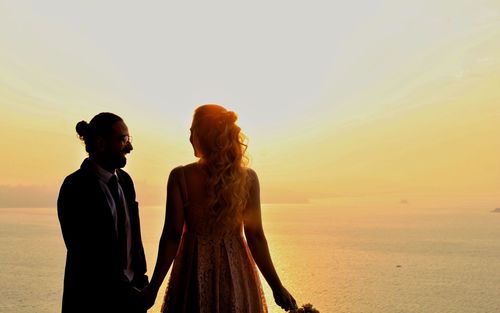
(306, 308)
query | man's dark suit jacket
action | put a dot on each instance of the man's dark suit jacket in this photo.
(93, 275)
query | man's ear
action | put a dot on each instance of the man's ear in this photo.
(100, 144)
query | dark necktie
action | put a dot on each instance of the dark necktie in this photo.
(120, 218)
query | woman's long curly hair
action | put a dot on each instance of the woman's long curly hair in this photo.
(222, 149)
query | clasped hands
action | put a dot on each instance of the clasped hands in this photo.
(145, 297)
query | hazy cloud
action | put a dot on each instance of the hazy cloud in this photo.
(27, 196)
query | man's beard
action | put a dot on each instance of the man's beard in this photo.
(116, 161)
(120, 161)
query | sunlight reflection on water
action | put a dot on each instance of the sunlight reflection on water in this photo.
(340, 261)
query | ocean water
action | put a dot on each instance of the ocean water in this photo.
(340, 260)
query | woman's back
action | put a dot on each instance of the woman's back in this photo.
(198, 217)
(213, 270)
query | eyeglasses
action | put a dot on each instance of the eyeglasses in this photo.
(125, 139)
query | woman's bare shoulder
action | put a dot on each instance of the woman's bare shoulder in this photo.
(251, 173)
(176, 170)
(190, 165)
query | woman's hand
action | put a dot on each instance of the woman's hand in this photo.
(284, 299)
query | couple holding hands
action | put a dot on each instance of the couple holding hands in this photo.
(212, 233)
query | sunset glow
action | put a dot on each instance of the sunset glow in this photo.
(392, 102)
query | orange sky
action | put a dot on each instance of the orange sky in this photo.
(395, 102)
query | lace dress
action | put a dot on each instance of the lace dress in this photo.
(213, 271)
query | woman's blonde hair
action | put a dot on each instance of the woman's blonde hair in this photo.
(222, 154)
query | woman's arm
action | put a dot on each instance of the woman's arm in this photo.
(257, 243)
(170, 237)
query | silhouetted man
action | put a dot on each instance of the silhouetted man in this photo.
(98, 213)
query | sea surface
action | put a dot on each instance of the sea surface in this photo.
(340, 260)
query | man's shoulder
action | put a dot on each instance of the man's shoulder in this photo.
(84, 174)
(77, 177)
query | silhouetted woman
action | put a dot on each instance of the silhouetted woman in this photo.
(210, 205)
